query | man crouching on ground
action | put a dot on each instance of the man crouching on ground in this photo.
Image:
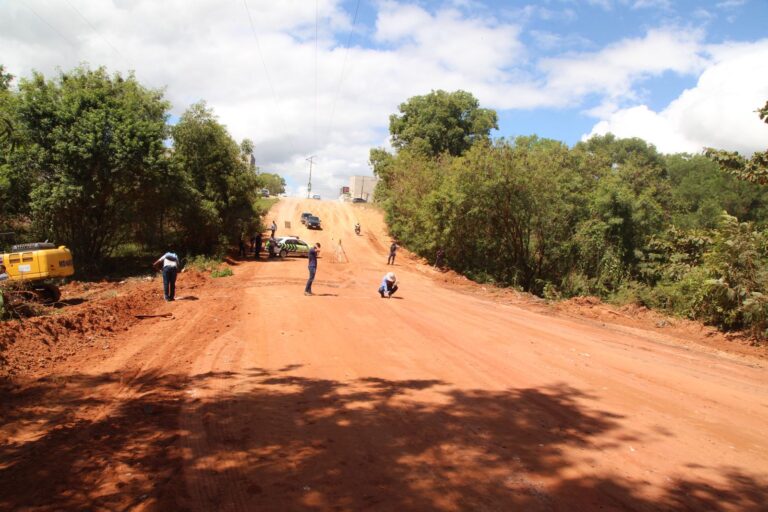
(388, 285)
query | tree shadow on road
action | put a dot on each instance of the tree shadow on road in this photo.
(273, 440)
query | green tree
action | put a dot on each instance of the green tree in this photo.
(94, 144)
(9, 195)
(273, 182)
(219, 188)
(701, 191)
(5, 79)
(441, 122)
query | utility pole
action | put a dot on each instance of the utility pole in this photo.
(309, 185)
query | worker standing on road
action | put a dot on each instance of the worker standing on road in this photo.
(273, 228)
(312, 266)
(170, 262)
(388, 285)
(392, 251)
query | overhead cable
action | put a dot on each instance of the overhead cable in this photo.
(343, 69)
(65, 38)
(95, 31)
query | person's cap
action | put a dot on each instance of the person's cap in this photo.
(390, 276)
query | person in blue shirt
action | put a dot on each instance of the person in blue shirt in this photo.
(312, 266)
(3, 273)
(170, 266)
(388, 285)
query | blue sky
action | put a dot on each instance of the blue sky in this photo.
(680, 74)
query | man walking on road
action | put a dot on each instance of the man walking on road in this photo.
(273, 228)
(312, 266)
(392, 251)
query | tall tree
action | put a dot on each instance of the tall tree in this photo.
(441, 122)
(272, 182)
(95, 147)
(220, 186)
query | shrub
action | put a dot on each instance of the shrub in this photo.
(222, 272)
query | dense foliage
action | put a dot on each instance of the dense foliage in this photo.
(441, 122)
(88, 159)
(608, 217)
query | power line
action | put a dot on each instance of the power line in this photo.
(261, 56)
(317, 100)
(49, 25)
(98, 33)
(343, 69)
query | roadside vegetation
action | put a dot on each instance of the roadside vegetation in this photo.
(90, 160)
(609, 217)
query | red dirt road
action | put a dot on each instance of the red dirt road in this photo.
(253, 396)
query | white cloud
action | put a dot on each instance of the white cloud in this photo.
(263, 86)
(605, 4)
(553, 41)
(731, 4)
(718, 112)
(652, 4)
(613, 70)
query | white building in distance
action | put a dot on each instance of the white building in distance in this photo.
(362, 187)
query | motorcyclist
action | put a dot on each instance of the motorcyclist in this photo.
(357, 228)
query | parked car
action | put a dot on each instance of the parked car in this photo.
(316, 196)
(292, 245)
(304, 217)
(313, 223)
(359, 200)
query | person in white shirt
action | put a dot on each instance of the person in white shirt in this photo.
(170, 266)
(3, 274)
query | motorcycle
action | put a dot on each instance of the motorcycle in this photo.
(357, 229)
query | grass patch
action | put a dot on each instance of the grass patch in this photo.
(222, 272)
(203, 263)
(207, 264)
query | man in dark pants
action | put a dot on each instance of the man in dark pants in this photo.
(256, 245)
(170, 262)
(312, 266)
(273, 228)
(392, 251)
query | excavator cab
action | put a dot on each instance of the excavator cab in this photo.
(34, 267)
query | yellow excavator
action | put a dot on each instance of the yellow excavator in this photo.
(32, 271)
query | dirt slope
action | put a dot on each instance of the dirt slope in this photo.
(252, 396)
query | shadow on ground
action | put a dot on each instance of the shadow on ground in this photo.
(270, 440)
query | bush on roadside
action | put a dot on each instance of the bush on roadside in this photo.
(222, 272)
(203, 263)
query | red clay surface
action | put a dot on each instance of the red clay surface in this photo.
(449, 396)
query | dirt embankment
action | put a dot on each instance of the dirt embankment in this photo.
(88, 316)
